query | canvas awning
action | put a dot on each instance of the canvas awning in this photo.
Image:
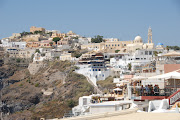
(138, 78)
(117, 89)
(173, 53)
(173, 75)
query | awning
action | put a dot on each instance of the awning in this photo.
(117, 89)
(173, 53)
(138, 78)
(173, 75)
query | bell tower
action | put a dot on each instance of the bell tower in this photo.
(149, 35)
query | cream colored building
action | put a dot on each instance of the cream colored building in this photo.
(70, 33)
(108, 45)
(60, 35)
(15, 35)
(33, 29)
(67, 56)
(112, 44)
(19, 53)
(32, 37)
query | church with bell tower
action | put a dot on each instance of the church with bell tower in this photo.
(150, 44)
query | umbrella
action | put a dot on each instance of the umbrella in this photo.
(117, 89)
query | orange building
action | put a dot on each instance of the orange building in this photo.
(46, 43)
(32, 44)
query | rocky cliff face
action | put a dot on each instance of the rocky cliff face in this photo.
(47, 93)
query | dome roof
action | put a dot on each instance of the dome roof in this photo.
(159, 44)
(137, 39)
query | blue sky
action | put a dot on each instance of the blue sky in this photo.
(123, 19)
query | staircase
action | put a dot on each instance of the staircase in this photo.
(95, 87)
(174, 97)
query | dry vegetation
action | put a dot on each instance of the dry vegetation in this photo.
(106, 85)
(25, 94)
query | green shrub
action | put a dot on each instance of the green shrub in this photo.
(116, 51)
(37, 85)
(71, 103)
(18, 60)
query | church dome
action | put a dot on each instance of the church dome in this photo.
(138, 39)
(159, 44)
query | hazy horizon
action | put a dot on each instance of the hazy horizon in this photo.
(111, 19)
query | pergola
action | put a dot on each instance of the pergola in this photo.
(175, 75)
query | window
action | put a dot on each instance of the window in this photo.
(99, 69)
(137, 58)
(124, 44)
(118, 44)
(150, 52)
(96, 69)
(146, 52)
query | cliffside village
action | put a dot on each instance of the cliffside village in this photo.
(142, 71)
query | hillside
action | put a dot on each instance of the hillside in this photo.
(106, 85)
(26, 95)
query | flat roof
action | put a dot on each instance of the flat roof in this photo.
(144, 116)
(111, 103)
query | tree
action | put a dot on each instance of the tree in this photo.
(56, 39)
(129, 66)
(51, 43)
(173, 47)
(116, 51)
(71, 103)
(37, 50)
(50, 33)
(155, 53)
(25, 33)
(37, 32)
(18, 60)
(76, 54)
(97, 39)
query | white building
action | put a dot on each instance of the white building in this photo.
(109, 106)
(20, 45)
(7, 43)
(82, 40)
(38, 57)
(138, 58)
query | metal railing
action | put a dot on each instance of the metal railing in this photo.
(153, 92)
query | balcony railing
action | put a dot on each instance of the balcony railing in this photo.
(153, 92)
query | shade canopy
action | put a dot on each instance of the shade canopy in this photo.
(173, 53)
(117, 89)
(173, 75)
(138, 78)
